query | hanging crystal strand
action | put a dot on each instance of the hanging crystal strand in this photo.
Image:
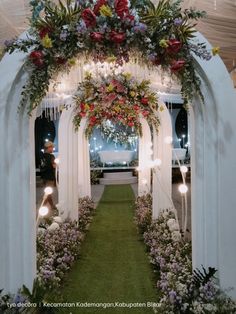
(215, 5)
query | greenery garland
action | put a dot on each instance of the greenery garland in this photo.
(118, 98)
(109, 30)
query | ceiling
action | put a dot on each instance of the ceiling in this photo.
(219, 27)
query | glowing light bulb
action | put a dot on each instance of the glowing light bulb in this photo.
(183, 188)
(43, 211)
(168, 139)
(57, 161)
(184, 169)
(48, 190)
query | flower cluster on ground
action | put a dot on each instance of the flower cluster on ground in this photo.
(181, 289)
(114, 30)
(58, 246)
(118, 98)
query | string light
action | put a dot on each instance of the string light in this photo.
(183, 188)
(48, 190)
(43, 211)
(184, 169)
(57, 161)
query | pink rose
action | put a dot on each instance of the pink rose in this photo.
(145, 113)
(174, 46)
(96, 36)
(177, 65)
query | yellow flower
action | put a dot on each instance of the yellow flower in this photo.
(127, 76)
(161, 108)
(117, 108)
(46, 42)
(163, 43)
(132, 93)
(111, 59)
(105, 10)
(72, 61)
(86, 107)
(215, 51)
(110, 88)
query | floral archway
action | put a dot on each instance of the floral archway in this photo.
(209, 76)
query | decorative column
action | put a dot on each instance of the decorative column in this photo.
(68, 167)
(162, 175)
(145, 158)
(84, 184)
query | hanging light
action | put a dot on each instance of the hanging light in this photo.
(48, 190)
(184, 169)
(43, 211)
(183, 188)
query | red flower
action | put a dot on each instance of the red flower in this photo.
(174, 46)
(136, 107)
(121, 8)
(37, 58)
(98, 6)
(91, 107)
(92, 120)
(96, 36)
(44, 31)
(130, 17)
(82, 114)
(177, 65)
(60, 60)
(89, 18)
(145, 113)
(82, 106)
(117, 37)
(144, 100)
(37, 54)
(131, 123)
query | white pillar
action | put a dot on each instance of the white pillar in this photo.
(84, 184)
(68, 166)
(145, 145)
(162, 176)
(17, 181)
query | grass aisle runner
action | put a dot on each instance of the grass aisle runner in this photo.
(113, 266)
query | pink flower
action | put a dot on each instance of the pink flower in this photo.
(145, 113)
(131, 123)
(177, 65)
(144, 100)
(96, 36)
(174, 46)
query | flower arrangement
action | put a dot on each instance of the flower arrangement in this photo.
(181, 289)
(143, 212)
(114, 30)
(86, 210)
(58, 245)
(120, 99)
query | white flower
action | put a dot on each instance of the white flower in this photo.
(41, 230)
(174, 227)
(53, 226)
(171, 222)
(58, 219)
(176, 236)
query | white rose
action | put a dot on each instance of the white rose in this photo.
(174, 227)
(58, 219)
(53, 226)
(171, 222)
(176, 236)
(41, 230)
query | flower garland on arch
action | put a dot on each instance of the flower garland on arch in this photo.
(115, 30)
(118, 98)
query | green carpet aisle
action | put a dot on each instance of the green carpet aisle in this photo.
(113, 266)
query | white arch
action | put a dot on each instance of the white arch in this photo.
(213, 206)
(17, 181)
